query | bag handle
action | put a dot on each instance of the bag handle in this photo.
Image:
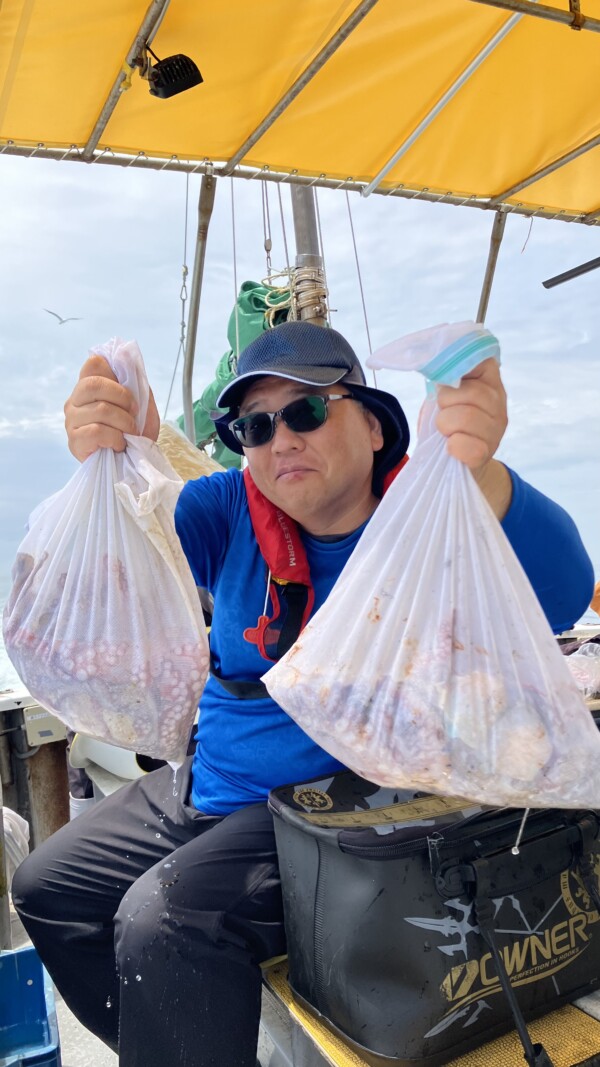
(500, 872)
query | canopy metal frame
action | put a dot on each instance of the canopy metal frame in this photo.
(450, 93)
(328, 50)
(150, 24)
(303, 195)
(106, 157)
(234, 167)
(573, 18)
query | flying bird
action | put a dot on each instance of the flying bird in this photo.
(62, 321)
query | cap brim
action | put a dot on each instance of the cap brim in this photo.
(232, 394)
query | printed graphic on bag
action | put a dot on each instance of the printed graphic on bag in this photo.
(530, 953)
(393, 900)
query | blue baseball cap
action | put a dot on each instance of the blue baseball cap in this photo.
(315, 355)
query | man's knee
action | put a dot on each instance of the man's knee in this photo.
(29, 889)
(149, 920)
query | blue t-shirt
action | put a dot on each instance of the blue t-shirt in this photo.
(247, 747)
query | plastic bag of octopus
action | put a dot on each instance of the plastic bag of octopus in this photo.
(447, 678)
(584, 665)
(103, 623)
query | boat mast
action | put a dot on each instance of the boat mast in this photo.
(308, 279)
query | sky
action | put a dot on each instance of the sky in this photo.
(106, 245)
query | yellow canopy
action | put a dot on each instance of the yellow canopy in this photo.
(442, 99)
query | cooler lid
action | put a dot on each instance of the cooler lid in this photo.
(370, 813)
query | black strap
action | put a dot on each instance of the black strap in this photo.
(535, 1054)
(243, 689)
(295, 596)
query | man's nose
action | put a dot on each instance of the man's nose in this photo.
(284, 438)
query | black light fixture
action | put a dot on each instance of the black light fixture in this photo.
(171, 76)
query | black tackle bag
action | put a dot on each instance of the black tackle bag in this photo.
(417, 930)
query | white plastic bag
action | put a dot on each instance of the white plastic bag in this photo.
(16, 840)
(584, 665)
(103, 623)
(431, 664)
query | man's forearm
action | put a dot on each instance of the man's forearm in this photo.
(496, 485)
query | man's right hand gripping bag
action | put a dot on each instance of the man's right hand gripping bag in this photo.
(431, 665)
(103, 622)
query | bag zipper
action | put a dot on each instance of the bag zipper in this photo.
(404, 848)
(319, 926)
(436, 370)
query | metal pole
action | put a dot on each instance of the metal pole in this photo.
(441, 104)
(571, 18)
(495, 242)
(152, 18)
(206, 202)
(307, 75)
(574, 272)
(308, 258)
(544, 171)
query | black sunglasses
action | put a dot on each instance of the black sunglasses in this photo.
(301, 416)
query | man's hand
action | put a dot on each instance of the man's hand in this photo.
(474, 419)
(100, 411)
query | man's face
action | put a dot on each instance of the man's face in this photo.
(322, 479)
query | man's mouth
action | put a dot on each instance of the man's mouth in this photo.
(288, 472)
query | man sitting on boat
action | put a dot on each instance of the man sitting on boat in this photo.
(153, 910)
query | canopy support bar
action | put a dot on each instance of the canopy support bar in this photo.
(153, 16)
(307, 75)
(544, 171)
(441, 104)
(206, 202)
(571, 18)
(495, 242)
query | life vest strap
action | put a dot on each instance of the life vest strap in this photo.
(242, 688)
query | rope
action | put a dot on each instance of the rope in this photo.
(280, 296)
(235, 284)
(266, 225)
(359, 273)
(285, 244)
(321, 248)
(183, 294)
(305, 287)
(308, 290)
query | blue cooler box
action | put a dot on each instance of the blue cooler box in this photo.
(28, 1027)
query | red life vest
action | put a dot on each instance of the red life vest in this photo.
(290, 588)
(291, 593)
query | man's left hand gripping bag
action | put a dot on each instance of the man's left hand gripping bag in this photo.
(103, 623)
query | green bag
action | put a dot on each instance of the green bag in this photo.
(254, 303)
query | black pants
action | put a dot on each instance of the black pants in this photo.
(152, 919)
